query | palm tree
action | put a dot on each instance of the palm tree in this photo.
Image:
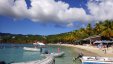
(89, 30)
(107, 29)
(98, 28)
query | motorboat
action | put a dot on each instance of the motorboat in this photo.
(54, 54)
(31, 49)
(57, 54)
(39, 43)
(96, 60)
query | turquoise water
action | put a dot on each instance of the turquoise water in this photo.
(17, 54)
(68, 57)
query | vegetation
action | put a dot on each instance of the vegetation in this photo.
(102, 28)
(19, 38)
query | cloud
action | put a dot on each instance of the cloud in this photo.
(57, 12)
(50, 11)
(101, 9)
(70, 25)
(17, 9)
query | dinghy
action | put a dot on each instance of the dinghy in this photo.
(39, 43)
(54, 54)
(31, 49)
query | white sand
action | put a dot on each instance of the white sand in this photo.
(92, 49)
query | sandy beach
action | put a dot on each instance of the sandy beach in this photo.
(88, 50)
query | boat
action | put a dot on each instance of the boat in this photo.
(31, 49)
(54, 54)
(47, 60)
(39, 43)
(96, 60)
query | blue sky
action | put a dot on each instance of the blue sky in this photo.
(45, 17)
(25, 26)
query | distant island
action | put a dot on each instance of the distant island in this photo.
(102, 28)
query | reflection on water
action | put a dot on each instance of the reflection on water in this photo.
(17, 54)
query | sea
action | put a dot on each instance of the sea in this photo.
(10, 53)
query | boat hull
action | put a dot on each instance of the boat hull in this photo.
(31, 49)
(54, 54)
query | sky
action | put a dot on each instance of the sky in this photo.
(46, 17)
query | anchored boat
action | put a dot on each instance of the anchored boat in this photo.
(96, 60)
(54, 54)
(31, 49)
(39, 44)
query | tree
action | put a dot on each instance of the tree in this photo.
(107, 29)
(98, 28)
(89, 29)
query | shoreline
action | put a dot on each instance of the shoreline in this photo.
(89, 50)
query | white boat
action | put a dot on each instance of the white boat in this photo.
(96, 60)
(31, 49)
(39, 43)
(54, 54)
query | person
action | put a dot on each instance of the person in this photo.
(40, 50)
(105, 49)
(79, 56)
(53, 61)
(46, 51)
(107, 46)
(58, 50)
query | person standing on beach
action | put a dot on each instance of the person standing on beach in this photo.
(104, 49)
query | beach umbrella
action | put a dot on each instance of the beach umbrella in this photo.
(98, 42)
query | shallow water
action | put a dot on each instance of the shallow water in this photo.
(68, 57)
(17, 54)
